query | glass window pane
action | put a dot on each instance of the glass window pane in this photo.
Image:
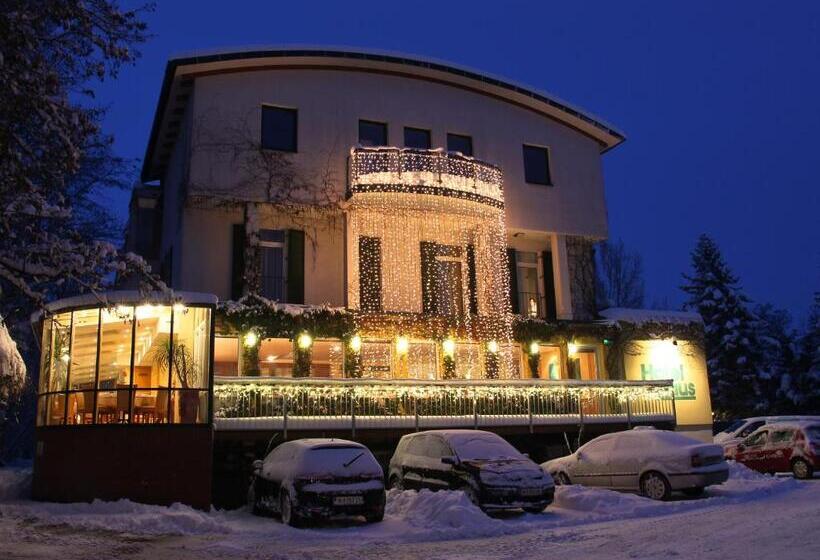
(273, 273)
(468, 361)
(421, 360)
(56, 410)
(42, 410)
(326, 359)
(416, 138)
(276, 357)
(60, 351)
(152, 350)
(80, 407)
(189, 407)
(372, 133)
(113, 407)
(550, 358)
(279, 128)
(84, 350)
(192, 335)
(150, 406)
(45, 358)
(226, 356)
(115, 348)
(584, 365)
(376, 359)
(460, 143)
(536, 165)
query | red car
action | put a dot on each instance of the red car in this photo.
(782, 447)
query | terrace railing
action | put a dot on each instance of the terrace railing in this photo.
(426, 172)
(351, 404)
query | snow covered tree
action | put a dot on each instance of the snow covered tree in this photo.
(619, 276)
(778, 356)
(732, 352)
(53, 156)
(803, 387)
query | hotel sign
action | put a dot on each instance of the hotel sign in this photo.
(684, 388)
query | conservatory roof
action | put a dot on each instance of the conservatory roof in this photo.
(181, 71)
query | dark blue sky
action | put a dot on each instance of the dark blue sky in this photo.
(719, 104)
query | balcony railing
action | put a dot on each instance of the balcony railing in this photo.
(348, 404)
(426, 172)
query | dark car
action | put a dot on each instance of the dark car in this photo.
(317, 479)
(782, 447)
(492, 473)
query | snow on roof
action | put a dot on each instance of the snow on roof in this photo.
(641, 316)
(125, 297)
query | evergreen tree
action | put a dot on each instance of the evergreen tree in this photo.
(778, 357)
(732, 353)
(803, 387)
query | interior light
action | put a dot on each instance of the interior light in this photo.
(270, 358)
(180, 308)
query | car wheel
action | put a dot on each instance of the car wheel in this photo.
(693, 492)
(655, 486)
(536, 509)
(395, 482)
(562, 479)
(253, 502)
(289, 517)
(375, 517)
(801, 469)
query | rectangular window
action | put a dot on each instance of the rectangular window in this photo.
(226, 356)
(418, 138)
(468, 361)
(279, 128)
(442, 279)
(376, 359)
(327, 359)
(370, 274)
(583, 364)
(272, 252)
(276, 357)
(372, 134)
(550, 361)
(113, 398)
(529, 300)
(460, 143)
(421, 360)
(537, 165)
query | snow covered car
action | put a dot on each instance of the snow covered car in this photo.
(739, 430)
(493, 474)
(318, 478)
(653, 462)
(782, 447)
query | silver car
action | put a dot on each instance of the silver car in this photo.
(652, 462)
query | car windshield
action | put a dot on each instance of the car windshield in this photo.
(813, 433)
(732, 427)
(483, 447)
(338, 461)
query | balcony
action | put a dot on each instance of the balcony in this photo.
(434, 172)
(348, 404)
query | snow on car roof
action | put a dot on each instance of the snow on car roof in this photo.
(455, 432)
(319, 443)
(791, 425)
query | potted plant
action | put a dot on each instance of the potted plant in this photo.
(185, 370)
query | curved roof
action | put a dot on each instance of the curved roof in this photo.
(182, 70)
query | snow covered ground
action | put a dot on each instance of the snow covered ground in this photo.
(749, 516)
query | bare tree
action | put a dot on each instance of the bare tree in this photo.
(619, 276)
(259, 179)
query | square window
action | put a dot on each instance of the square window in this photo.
(460, 143)
(418, 138)
(372, 134)
(279, 128)
(537, 165)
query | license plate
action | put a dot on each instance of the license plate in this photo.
(530, 491)
(348, 500)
